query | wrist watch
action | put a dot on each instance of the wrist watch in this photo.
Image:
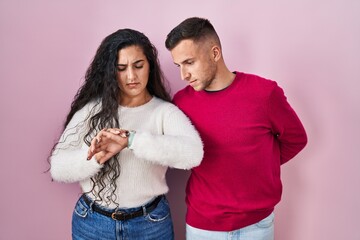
(130, 134)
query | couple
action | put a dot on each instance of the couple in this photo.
(233, 130)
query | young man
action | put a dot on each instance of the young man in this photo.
(248, 129)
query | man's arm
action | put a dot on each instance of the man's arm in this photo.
(286, 126)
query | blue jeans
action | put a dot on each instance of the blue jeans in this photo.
(263, 230)
(90, 225)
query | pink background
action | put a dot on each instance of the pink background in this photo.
(310, 47)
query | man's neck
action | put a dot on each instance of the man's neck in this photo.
(222, 80)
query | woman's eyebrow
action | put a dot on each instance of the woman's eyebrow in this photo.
(141, 60)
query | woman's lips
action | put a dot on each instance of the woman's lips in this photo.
(132, 85)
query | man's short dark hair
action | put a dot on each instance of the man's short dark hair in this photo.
(194, 28)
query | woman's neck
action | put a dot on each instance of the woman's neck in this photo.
(135, 101)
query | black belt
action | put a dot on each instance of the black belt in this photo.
(120, 215)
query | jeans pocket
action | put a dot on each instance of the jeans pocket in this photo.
(160, 213)
(266, 222)
(81, 209)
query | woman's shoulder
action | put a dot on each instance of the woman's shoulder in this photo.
(164, 106)
(89, 108)
(158, 102)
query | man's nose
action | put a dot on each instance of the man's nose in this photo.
(185, 75)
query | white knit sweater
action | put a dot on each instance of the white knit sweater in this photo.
(164, 138)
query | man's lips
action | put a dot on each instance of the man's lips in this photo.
(192, 82)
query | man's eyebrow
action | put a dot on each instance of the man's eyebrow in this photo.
(184, 61)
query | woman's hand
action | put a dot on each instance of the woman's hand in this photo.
(107, 143)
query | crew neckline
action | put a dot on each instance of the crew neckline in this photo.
(140, 106)
(236, 78)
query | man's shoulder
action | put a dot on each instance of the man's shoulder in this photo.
(185, 91)
(258, 81)
(183, 94)
(257, 78)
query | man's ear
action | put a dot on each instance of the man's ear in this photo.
(216, 53)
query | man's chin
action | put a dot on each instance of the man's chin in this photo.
(198, 88)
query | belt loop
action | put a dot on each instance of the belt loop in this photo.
(91, 206)
(144, 210)
(91, 202)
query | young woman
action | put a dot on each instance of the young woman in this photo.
(120, 136)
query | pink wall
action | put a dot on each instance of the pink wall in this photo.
(310, 47)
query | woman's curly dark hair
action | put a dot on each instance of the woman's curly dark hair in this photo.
(101, 85)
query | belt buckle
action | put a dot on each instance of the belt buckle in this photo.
(118, 215)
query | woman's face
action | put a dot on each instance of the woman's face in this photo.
(132, 73)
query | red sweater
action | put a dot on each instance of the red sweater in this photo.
(248, 130)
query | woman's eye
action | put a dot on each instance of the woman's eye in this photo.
(138, 66)
(120, 69)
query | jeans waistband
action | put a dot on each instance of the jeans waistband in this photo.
(121, 215)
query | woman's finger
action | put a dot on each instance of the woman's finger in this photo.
(114, 131)
(110, 136)
(91, 148)
(119, 131)
(105, 157)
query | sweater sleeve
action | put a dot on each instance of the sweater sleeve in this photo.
(179, 146)
(286, 126)
(68, 160)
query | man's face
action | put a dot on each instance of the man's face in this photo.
(196, 63)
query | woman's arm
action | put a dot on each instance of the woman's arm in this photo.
(69, 159)
(179, 146)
